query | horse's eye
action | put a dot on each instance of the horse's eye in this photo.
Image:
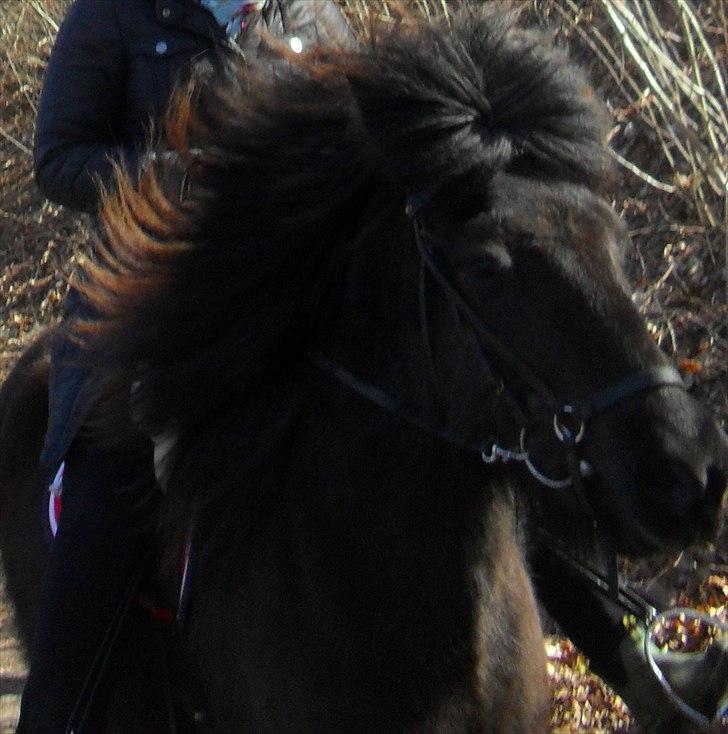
(488, 260)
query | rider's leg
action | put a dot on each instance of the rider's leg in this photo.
(103, 535)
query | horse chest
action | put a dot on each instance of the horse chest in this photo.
(351, 652)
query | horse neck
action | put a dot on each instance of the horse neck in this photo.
(413, 516)
(378, 550)
(369, 543)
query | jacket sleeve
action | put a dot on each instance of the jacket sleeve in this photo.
(81, 101)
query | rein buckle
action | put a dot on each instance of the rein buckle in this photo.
(566, 428)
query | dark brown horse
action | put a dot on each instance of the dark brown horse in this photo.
(352, 277)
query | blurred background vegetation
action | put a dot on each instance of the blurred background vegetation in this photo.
(661, 67)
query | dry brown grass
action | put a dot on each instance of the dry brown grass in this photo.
(661, 65)
(36, 238)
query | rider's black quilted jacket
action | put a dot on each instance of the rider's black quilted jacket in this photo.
(112, 71)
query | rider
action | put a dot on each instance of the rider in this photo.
(112, 70)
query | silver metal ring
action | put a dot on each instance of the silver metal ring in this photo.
(537, 473)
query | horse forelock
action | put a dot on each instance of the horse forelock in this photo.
(214, 264)
(450, 107)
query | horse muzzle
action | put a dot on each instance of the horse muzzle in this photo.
(660, 469)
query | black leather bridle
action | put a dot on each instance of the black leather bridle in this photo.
(569, 419)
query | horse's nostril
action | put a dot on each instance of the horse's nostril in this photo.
(684, 493)
(676, 503)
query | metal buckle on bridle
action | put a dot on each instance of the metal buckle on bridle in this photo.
(492, 453)
(566, 433)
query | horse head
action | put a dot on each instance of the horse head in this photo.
(498, 165)
(539, 271)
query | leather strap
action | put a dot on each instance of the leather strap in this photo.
(629, 387)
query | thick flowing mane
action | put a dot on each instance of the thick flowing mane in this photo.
(219, 264)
